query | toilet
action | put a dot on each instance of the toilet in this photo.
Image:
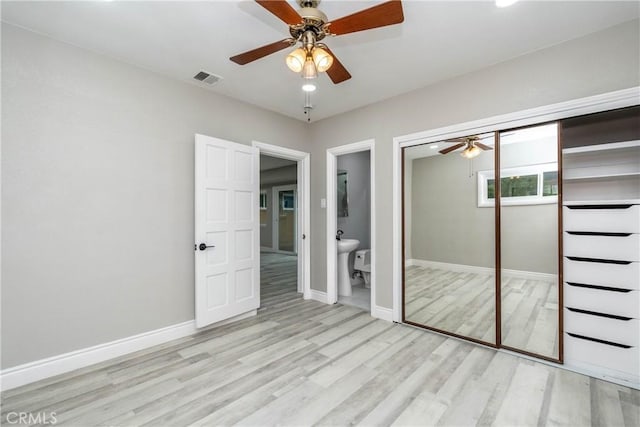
(362, 263)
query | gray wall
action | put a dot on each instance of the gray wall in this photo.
(269, 179)
(558, 73)
(446, 224)
(529, 235)
(97, 174)
(357, 225)
(97, 193)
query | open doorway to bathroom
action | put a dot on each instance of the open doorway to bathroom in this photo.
(351, 225)
(354, 229)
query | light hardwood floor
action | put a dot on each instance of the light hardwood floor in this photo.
(306, 363)
(464, 303)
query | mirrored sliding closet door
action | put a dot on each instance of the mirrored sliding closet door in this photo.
(449, 238)
(528, 200)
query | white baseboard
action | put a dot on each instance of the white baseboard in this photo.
(383, 313)
(519, 274)
(461, 268)
(67, 362)
(317, 296)
(529, 275)
(610, 375)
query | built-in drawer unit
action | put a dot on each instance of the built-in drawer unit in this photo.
(606, 218)
(608, 246)
(603, 326)
(621, 274)
(621, 302)
(584, 350)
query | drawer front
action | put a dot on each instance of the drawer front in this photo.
(602, 220)
(624, 248)
(614, 330)
(619, 303)
(626, 276)
(615, 358)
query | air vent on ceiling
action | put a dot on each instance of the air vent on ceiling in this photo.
(207, 78)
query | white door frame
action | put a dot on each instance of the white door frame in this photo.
(275, 211)
(332, 217)
(303, 238)
(592, 104)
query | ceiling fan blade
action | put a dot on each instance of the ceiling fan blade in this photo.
(282, 10)
(337, 73)
(481, 145)
(252, 55)
(452, 148)
(381, 15)
(464, 139)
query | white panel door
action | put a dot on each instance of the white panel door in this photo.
(226, 229)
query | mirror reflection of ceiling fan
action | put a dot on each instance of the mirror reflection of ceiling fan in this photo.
(472, 146)
(309, 26)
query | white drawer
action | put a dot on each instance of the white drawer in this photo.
(618, 331)
(626, 276)
(603, 301)
(602, 220)
(604, 355)
(624, 248)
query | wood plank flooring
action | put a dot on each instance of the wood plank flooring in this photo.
(464, 303)
(304, 363)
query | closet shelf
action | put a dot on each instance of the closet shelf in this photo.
(601, 147)
(590, 175)
(602, 202)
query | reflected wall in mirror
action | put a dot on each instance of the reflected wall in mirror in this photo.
(449, 240)
(528, 238)
(343, 196)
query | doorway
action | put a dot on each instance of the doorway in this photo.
(284, 218)
(284, 221)
(351, 216)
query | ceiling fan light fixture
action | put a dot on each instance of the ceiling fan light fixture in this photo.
(296, 60)
(309, 70)
(322, 59)
(471, 152)
(308, 87)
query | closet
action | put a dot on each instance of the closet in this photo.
(601, 234)
(481, 226)
(531, 244)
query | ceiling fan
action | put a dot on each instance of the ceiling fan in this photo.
(309, 26)
(472, 146)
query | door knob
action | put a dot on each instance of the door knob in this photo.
(204, 246)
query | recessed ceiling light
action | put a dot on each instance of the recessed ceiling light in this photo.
(433, 146)
(309, 87)
(505, 3)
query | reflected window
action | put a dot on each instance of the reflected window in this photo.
(263, 200)
(550, 184)
(288, 202)
(529, 185)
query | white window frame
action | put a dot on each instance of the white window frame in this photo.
(538, 199)
(293, 208)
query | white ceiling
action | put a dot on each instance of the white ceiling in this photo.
(438, 40)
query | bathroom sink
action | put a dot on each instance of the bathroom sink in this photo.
(347, 245)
